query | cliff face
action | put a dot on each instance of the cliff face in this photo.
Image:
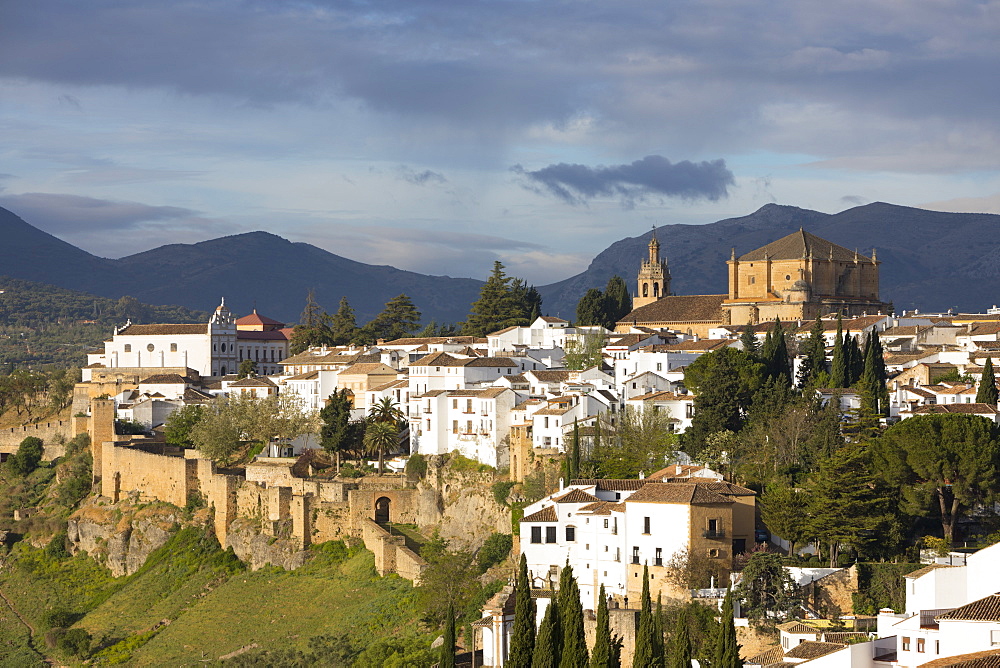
(121, 535)
(257, 549)
(459, 505)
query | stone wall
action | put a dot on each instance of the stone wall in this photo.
(131, 471)
(49, 432)
(833, 593)
(391, 553)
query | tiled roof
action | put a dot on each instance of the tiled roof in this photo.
(488, 393)
(366, 368)
(796, 627)
(548, 376)
(490, 361)
(811, 649)
(546, 514)
(676, 493)
(161, 330)
(273, 335)
(576, 496)
(257, 319)
(844, 636)
(164, 379)
(799, 245)
(663, 396)
(719, 486)
(191, 395)
(989, 658)
(968, 409)
(553, 411)
(610, 485)
(308, 375)
(986, 609)
(700, 345)
(772, 655)
(679, 308)
(424, 340)
(259, 381)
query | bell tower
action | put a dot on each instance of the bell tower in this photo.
(654, 276)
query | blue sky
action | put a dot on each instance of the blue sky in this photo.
(439, 136)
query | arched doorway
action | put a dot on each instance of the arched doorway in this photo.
(382, 510)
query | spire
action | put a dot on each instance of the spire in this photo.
(732, 255)
(874, 256)
(654, 248)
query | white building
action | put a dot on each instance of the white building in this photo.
(475, 423)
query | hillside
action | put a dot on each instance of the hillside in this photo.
(930, 260)
(43, 324)
(256, 269)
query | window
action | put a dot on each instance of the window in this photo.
(550, 534)
(751, 281)
(128, 347)
(173, 347)
(645, 289)
(570, 534)
(788, 277)
(635, 554)
(659, 366)
(468, 426)
(920, 645)
(658, 561)
(713, 553)
(605, 524)
(937, 646)
(454, 404)
(536, 534)
(995, 638)
(906, 643)
(546, 422)
(454, 426)
(468, 405)
(150, 347)
(645, 525)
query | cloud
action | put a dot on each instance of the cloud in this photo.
(987, 204)
(71, 213)
(634, 182)
(420, 178)
(854, 200)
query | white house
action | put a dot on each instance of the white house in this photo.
(475, 423)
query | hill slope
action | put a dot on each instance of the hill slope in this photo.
(930, 260)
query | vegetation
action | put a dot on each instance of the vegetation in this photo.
(604, 308)
(503, 302)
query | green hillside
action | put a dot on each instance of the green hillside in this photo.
(43, 324)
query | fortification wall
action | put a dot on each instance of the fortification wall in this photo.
(833, 593)
(409, 565)
(331, 521)
(149, 476)
(49, 432)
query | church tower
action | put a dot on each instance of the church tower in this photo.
(654, 276)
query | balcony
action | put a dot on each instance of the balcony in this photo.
(714, 534)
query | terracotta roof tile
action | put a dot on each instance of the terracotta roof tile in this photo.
(164, 379)
(772, 655)
(676, 493)
(257, 319)
(679, 308)
(610, 485)
(799, 245)
(546, 514)
(162, 330)
(576, 496)
(796, 627)
(811, 649)
(986, 609)
(989, 658)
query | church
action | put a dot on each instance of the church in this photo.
(798, 277)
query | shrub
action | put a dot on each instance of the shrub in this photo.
(28, 456)
(494, 550)
(501, 490)
(52, 637)
(416, 467)
(56, 548)
(881, 585)
(75, 642)
(58, 618)
(130, 427)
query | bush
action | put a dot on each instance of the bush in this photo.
(52, 637)
(56, 549)
(28, 456)
(75, 642)
(501, 490)
(416, 467)
(58, 618)
(494, 550)
(881, 585)
(129, 427)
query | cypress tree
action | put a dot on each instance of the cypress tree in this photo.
(880, 373)
(814, 355)
(522, 641)
(680, 643)
(778, 362)
(645, 650)
(727, 650)
(987, 393)
(603, 652)
(870, 395)
(839, 366)
(548, 643)
(617, 302)
(659, 655)
(447, 656)
(574, 642)
(855, 359)
(575, 452)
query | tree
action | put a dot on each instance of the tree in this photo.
(584, 350)
(399, 319)
(947, 460)
(522, 638)
(766, 592)
(639, 441)
(574, 642)
(774, 354)
(848, 505)
(447, 658)
(337, 432)
(343, 326)
(680, 643)
(781, 511)
(727, 650)
(813, 356)
(178, 427)
(724, 381)
(840, 364)
(548, 643)
(590, 308)
(248, 368)
(645, 640)
(574, 453)
(617, 302)
(528, 299)
(450, 579)
(379, 437)
(313, 328)
(604, 654)
(497, 306)
(748, 340)
(28, 456)
(987, 392)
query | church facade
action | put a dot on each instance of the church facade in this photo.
(798, 277)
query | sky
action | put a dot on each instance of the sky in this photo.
(440, 136)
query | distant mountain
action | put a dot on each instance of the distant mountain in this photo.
(254, 269)
(930, 260)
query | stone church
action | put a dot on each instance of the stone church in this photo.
(798, 277)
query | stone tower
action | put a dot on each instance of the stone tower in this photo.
(654, 276)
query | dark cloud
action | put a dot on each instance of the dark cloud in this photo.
(57, 213)
(653, 175)
(420, 178)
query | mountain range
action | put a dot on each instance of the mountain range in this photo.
(930, 260)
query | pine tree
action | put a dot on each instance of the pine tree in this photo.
(603, 654)
(680, 643)
(399, 319)
(727, 650)
(749, 340)
(447, 657)
(548, 642)
(497, 306)
(644, 655)
(839, 371)
(574, 643)
(522, 640)
(617, 302)
(343, 326)
(869, 387)
(987, 393)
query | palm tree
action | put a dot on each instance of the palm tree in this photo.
(385, 410)
(379, 436)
